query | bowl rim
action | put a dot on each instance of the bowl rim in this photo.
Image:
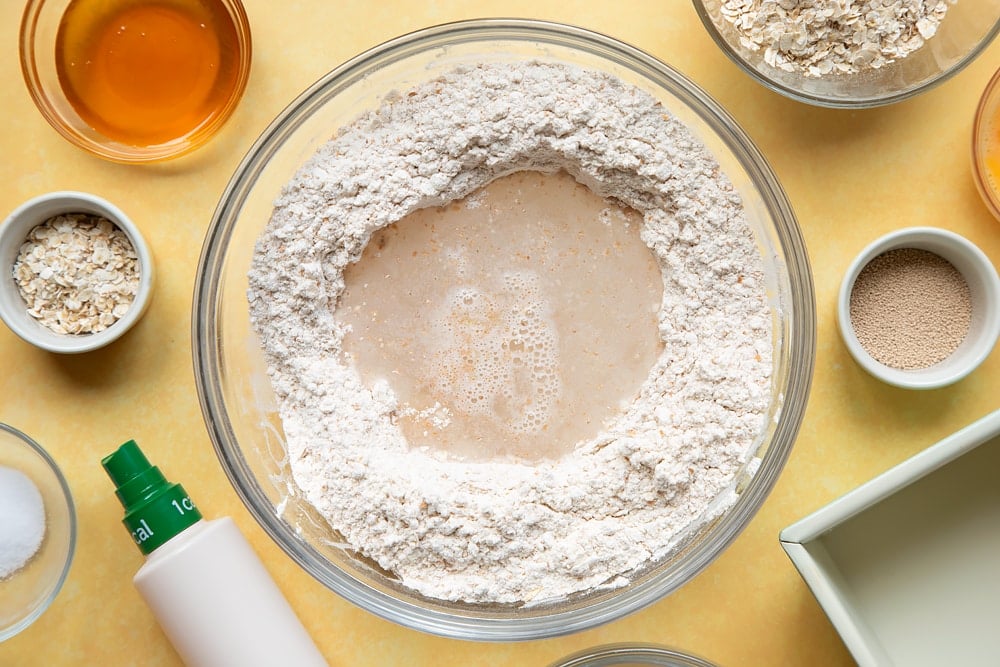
(920, 237)
(800, 335)
(44, 604)
(989, 98)
(840, 103)
(120, 152)
(629, 653)
(13, 231)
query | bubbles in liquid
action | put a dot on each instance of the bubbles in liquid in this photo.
(514, 323)
(496, 355)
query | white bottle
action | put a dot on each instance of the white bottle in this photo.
(208, 589)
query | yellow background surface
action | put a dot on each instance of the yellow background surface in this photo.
(850, 176)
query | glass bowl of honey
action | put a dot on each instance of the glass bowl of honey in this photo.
(986, 146)
(133, 80)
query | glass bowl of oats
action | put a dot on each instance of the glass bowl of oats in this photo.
(858, 54)
(79, 273)
(503, 330)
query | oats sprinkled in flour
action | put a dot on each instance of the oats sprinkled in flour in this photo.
(505, 530)
(823, 37)
(78, 273)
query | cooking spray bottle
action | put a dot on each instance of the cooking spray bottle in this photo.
(207, 588)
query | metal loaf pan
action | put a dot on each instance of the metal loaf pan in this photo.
(907, 566)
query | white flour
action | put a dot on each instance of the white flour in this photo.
(509, 531)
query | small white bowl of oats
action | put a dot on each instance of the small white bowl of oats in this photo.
(77, 272)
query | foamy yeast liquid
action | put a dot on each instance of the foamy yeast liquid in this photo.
(528, 310)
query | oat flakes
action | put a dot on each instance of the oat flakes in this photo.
(77, 273)
(823, 37)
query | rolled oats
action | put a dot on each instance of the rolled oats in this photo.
(823, 37)
(77, 273)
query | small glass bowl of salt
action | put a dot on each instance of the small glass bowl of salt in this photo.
(37, 531)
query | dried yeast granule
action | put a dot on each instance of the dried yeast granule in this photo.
(910, 308)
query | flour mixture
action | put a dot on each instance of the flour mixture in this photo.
(510, 528)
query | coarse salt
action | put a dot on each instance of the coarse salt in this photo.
(22, 520)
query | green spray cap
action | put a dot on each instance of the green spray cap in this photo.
(155, 509)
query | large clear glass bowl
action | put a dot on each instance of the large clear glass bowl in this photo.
(237, 400)
(968, 27)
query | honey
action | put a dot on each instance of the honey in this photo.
(991, 152)
(145, 73)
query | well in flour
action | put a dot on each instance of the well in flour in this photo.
(511, 323)
(516, 529)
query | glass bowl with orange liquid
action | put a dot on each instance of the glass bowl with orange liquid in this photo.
(133, 80)
(986, 146)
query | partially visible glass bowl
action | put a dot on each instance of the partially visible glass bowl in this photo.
(631, 655)
(27, 592)
(967, 28)
(986, 146)
(236, 397)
